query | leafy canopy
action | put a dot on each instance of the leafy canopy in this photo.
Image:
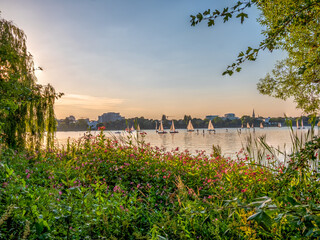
(292, 26)
(26, 108)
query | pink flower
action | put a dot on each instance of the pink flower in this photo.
(60, 193)
(28, 175)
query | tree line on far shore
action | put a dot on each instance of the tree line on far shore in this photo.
(218, 122)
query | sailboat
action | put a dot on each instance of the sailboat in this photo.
(138, 128)
(261, 125)
(252, 126)
(279, 125)
(297, 124)
(156, 126)
(302, 124)
(172, 128)
(248, 125)
(210, 127)
(132, 129)
(160, 130)
(190, 127)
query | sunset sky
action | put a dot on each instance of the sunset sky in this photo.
(142, 58)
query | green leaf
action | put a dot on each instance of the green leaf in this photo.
(242, 16)
(210, 23)
(263, 219)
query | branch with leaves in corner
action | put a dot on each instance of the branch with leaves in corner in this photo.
(292, 26)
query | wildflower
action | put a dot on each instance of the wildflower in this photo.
(116, 188)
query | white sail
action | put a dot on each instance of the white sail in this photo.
(248, 125)
(297, 124)
(279, 125)
(161, 130)
(261, 125)
(156, 126)
(172, 128)
(210, 126)
(132, 128)
(252, 126)
(302, 123)
(190, 127)
(161, 127)
(138, 128)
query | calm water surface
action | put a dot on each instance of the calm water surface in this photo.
(230, 140)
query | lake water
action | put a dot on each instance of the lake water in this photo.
(230, 140)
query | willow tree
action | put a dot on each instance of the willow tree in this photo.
(26, 108)
(292, 26)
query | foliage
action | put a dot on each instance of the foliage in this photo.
(144, 123)
(292, 26)
(26, 108)
(101, 188)
(66, 125)
(285, 81)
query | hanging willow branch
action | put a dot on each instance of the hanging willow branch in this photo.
(26, 108)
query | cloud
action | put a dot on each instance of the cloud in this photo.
(86, 105)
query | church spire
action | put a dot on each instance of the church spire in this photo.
(253, 114)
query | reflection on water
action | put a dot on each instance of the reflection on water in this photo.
(230, 141)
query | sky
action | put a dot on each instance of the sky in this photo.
(142, 58)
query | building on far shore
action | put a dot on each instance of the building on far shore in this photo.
(230, 116)
(109, 117)
(211, 117)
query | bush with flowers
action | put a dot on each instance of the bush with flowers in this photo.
(101, 188)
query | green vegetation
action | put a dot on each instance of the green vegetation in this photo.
(218, 122)
(26, 108)
(78, 125)
(109, 189)
(98, 188)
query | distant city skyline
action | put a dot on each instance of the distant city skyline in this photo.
(142, 58)
(112, 116)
